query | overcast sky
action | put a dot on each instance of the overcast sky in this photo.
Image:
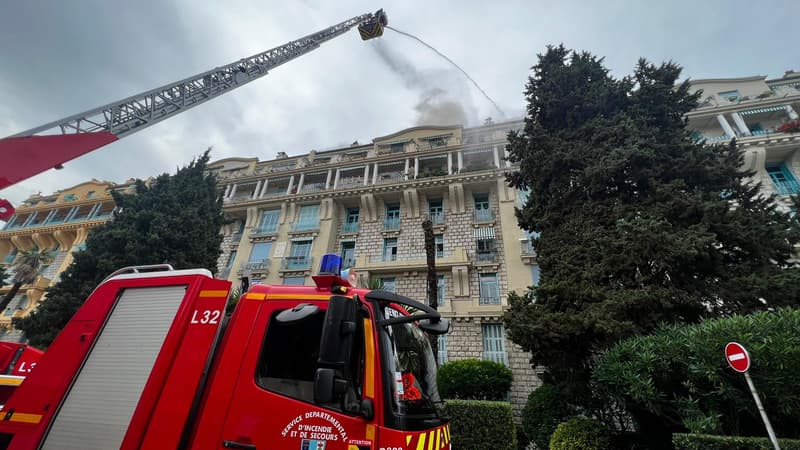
(58, 58)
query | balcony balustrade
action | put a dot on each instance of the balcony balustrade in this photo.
(349, 228)
(788, 187)
(305, 226)
(296, 263)
(484, 215)
(391, 223)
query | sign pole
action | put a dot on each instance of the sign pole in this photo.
(761, 410)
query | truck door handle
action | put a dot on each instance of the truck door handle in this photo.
(234, 444)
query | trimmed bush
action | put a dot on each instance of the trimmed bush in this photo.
(480, 425)
(474, 379)
(709, 442)
(677, 380)
(543, 412)
(580, 433)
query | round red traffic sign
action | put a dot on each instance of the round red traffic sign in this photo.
(737, 357)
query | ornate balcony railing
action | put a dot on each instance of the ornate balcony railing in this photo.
(296, 263)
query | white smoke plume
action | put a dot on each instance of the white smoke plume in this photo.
(444, 97)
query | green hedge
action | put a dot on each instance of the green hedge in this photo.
(481, 425)
(709, 442)
(543, 412)
(474, 379)
(580, 433)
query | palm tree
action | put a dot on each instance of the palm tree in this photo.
(26, 269)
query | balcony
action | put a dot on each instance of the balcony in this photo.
(349, 228)
(300, 227)
(348, 262)
(296, 263)
(411, 262)
(309, 188)
(350, 182)
(526, 248)
(224, 273)
(265, 229)
(788, 187)
(391, 224)
(486, 256)
(484, 215)
(258, 266)
(489, 299)
(389, 178)
(437, 218)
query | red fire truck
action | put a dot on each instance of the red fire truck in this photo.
(150, 361)
(16, 362)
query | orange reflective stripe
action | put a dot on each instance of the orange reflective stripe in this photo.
(254, 296)
(25, 418)
(369, 376)
(297, 296)
(213, 293)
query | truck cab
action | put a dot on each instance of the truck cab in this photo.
(322, 367)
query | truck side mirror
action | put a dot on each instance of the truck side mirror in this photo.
(335, 348)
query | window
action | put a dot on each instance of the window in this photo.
(522, 197)
(294, 281)
(308, 218)
(269, 221)
(535, 274)
(260, 251)
(440, 290)
(483, 213)
(17, 303)
(438, 141)
(10, 257)
(350, 221)
(494, 346)
(390, 249)
(348, 254)
(784, 179)
(392, 221)
(485, 245)
(436, 211)
(288, 361)
(299, 258)
(388, 284)
(397, 147)
(441, 346)
(231, 258)
(490, 290)
(730, 96)
(438, 244)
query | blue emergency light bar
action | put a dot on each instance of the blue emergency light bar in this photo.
(331, 265)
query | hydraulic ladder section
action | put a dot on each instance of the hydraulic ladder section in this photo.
(49, 146)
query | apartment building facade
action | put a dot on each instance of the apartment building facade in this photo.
(367, 204)
(762, 114)
(58, 224)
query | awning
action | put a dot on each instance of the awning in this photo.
(484, 233)
(750, 112)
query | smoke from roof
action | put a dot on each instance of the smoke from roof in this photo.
(444, 97)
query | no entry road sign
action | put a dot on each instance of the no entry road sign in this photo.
(737, 357)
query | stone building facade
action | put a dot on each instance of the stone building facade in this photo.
(367, 203)
(58, 224)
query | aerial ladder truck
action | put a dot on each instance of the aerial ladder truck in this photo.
(151, 361)
(48, 146)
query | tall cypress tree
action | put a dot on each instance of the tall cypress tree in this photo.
(639, 224)
(174, 220)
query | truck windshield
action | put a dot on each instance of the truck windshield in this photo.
(413, 369)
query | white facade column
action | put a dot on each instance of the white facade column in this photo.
(256, 190)
(227, 191)
(336, 179)
(291, 185)
(496, 157)
(405, 173)
(328, 180)
(506, 156)
(300, 183)
(264, 188)
(723, 122)
(791, 112)
(449, 163)
(737, 119)
(416, 167)
(366, 174)
(375, 174)
(460, 162)
(233, 191)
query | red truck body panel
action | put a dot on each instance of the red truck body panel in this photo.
(31, 409)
